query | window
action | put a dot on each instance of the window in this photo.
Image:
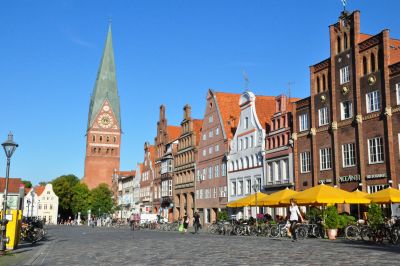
(217, 131)
(372, 62)
(210, 150)
(345, 41)
(323, 116)
(204, 136)
(198, 175)
(210, 172)
(305, 162)
(115, 139)
(339, 44)
(270, 171)
(375, 150)
(94, 138)
(398, 93)
(376, 188)
(170, 188)
(241, 145)
(108, 138)
(373, 101)
(45, 207)
(40, 206)
(210, 119)
(217, 148)
(246, 143)
(101, 138)
(233, 188)
(248, 186)
(214, 192)
(365, 70)
(204, 174)
(251, 141)
(277, 170)
(204, 152)
(223, 169)
(325, 158)
(210, 134)
(349, 155)
(303, 120)
(285, 170)
(51, 206)
(344, 75)
(240, 187)
(246, 123)
(346, 110)
(216, 171)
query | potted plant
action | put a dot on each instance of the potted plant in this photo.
(375, 220)
(331, 222)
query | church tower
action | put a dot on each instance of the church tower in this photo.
(103, 135)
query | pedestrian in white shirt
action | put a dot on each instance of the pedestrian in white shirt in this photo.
(294, 218)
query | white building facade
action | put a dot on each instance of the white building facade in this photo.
(246, 167)
(42, 202)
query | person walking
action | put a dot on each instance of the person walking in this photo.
(185, 223)
(295, 214)
(196, 222)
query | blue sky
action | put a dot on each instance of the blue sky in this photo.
(166, 52)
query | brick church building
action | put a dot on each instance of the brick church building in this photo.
(103, 135)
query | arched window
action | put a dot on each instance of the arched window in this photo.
(279, 123)
(339, 44)
(107, 151)
(99, 150)
(345, 41)
(318, 86)
(273, 143)
(365, 65)
(255, 160)
(108, 138)
(278, 140)
(247, 162)
(94, 150)
(241, 163)
(323, 82)
(241, 145)
(94, 138)
(372, 62)
(239, 166)
(251, 161)
(246, 144)
(251, 141)
(101, 138)
(232, 166)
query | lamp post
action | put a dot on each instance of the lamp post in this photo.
(256, 187)
(29, 203)
(9, 147)
(33, 199)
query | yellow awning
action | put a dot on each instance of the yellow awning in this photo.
(249, 200)
(388, 195)
(321, 194)
(358, 197)
(275, 198)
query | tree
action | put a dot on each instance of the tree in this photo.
(101, 201)
(80, 199)
(62, 186)
(42, 183)
(27, 184)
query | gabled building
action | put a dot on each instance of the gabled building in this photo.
(163, 164)
(15, 194)
(42, 202)
(246, 159)
(103, 133)
(279, 146)
(347, 132)
(221, 117)
(126, 203)
(147, 179)
(185, 164)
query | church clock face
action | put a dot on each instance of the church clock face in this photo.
(105, 120)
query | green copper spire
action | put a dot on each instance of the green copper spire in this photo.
(105, 87)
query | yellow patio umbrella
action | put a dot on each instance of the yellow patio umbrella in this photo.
(274, 199)
(250, 200)
(358, 197)
(319, 195)
(388, 195)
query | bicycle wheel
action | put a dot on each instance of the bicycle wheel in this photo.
(253, 231)
(365, 233)
(352, 232)
(274, 231)
(318, 231)
(301, 232)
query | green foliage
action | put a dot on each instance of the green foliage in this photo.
(375, 216)
(27, 184)
(80, 199)
(42, 183)
(222, 215)
(314, 214)
(345, 220)
(63, 187)
(101, 201)
(331, 218)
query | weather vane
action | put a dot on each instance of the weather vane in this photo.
(344, 3)
(246, 80)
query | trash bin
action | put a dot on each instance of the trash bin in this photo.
(13, 228)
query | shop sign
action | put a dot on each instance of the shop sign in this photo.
(376, 176)
(325, 181)
(349, 178)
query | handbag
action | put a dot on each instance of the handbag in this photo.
(180, 228)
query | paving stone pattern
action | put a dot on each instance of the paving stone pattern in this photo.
(120, 246)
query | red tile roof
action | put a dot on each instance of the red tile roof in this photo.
(394, 49)
(265, 108)
(126, 173)
(197, 125)
(152, 150)
(364, 37)
(13, 184)
(39, 190)
(173, 133)
(228, 104)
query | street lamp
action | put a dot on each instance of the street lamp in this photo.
(256, 187)
(29, 203)
(33, 200)
(9, 147)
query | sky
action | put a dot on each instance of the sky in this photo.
(166, 52)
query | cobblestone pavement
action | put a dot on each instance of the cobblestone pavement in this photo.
(110, 246)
